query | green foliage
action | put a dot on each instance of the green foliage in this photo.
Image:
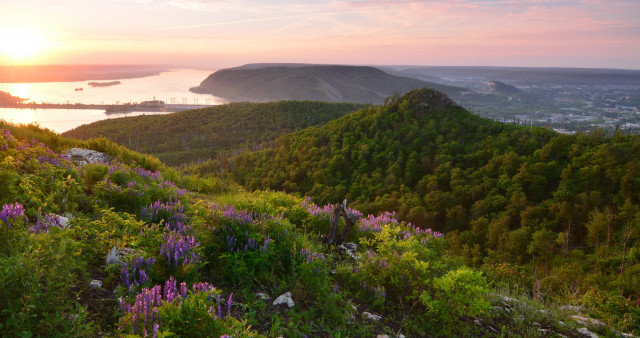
(212, 133)
(405, 267)
(457, 294)
(38, 282)
(503, 193)
(550, 216)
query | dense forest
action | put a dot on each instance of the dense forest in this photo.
(205, 134)
(555, 214)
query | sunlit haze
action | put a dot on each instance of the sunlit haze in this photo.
(22, 45)
(211, 33)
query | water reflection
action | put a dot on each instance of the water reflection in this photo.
(20, 90)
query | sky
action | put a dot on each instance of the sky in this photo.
(215, 34)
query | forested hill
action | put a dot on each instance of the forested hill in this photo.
(198, 135)
(513, 195)
(330, 83)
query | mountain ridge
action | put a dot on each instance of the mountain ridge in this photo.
(331, 83)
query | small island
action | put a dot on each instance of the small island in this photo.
(104, 84)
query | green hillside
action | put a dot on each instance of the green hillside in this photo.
(204, 134)
(330, 83)
(191, 264)
(542, 233)
(555, 213)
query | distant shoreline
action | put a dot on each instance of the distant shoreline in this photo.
(74, 73)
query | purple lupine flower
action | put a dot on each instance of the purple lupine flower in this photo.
(10, 213)
(229, 302)
(219, 307)
(183, 290)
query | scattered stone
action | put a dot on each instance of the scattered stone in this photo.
(349, 249)
(477, 322)
(63, 221)
(572, 308)
(544, 331)
(353, 307)
(83, 157)
(509, 299)
(400, 335)
(285, 299)
(95, 284)
(116, 255)
(586, 333)
(371, 316)
(587, 321)
(561, 322)
(333, 271)
(382, 336)
(263, 296)
(59, 221)
(536, 324)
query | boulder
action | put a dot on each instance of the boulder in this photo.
(583, 331)
(263, 296)
(95, 284)
(587, 321)
(285, 299)
(63, 221)
(349, 249)
(572, 308)
(371, 316)
(116, 255)
(82, 157)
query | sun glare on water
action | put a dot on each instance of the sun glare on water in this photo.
(22, 44)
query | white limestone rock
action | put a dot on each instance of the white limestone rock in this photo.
(572, 308)
(82, 156)
(263, 296)
(587, 321)
(350, 249)
(116, 255)
(586, 333)
(285, 299)
(63, 221)
(95, 284)
(371, 316)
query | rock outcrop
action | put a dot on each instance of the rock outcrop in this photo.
(82, 156)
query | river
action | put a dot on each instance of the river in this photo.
(171, 86)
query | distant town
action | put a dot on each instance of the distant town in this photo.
(568, 109)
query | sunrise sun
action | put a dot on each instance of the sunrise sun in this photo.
(22, 44)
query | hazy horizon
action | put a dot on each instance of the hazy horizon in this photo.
(221, 34)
